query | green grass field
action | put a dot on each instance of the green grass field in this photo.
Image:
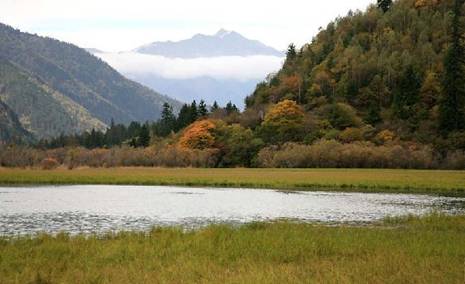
(410, 250)
(402, 181)
(430, 249)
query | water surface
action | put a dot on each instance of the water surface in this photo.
(101, 208)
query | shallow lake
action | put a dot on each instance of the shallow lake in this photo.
(101, 208)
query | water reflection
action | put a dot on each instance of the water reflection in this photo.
(86, 209)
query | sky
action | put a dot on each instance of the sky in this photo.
(122, 25)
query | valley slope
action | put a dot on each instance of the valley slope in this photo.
(55, 87)
(10, 128)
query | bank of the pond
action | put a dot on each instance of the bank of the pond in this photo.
(414, 250)
(450, 183)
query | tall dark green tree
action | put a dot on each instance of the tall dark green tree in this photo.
(167, 113)
(291, 53)
(451, 109)
(94, 139)
(194, 111)
(406, 94)
(384, 5)
(231, 108)
(110, 136)
(167, 123)
(133, 129)
(184, 117)
(214, 107)
(203, 111)
(144, 136)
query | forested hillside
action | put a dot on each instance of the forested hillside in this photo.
(41, 109)
(10, 128)
(56, 87)
(369, 71)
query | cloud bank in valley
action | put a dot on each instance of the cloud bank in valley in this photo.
(222, 68)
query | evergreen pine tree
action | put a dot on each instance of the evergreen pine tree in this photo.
(407, 94)
(110, 135)
(167, 122)
(167, 113)
(202, 109)
(291, 52)
(194, 112)
(214, 107)
(184, 117)
(144, 136)
(133, 129)
(451, 109)
(230, 108)
(93, 139)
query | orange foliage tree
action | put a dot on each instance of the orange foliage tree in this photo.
(198, 135)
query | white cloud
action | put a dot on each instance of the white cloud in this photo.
(225, 67)
(117, 25)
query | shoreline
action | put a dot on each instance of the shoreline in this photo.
(443, 183)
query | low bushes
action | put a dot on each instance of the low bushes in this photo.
(169, 156)
(322, 154)
(20, 157)
(49, 164)
(333, 154)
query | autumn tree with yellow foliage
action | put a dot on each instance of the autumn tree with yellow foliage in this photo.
(284, 122)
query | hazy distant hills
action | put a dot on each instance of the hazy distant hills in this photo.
(223, 43)
(222, 67)
(207, 88)
(55, 87)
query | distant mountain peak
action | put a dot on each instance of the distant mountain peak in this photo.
(222, 43)
(222, 33)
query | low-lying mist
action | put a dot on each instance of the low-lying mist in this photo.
(224, 67)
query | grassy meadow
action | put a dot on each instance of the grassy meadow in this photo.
(428, 249)
(409, 250)
(363, 180)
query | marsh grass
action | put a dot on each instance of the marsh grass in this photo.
(361, 180)
(406, 250)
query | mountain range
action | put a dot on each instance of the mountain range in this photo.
(223, 43)
(53, 87)
(222, 67)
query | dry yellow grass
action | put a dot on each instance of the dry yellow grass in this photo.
(364, 180)
(426, 250)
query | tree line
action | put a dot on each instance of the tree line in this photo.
(138, 134)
